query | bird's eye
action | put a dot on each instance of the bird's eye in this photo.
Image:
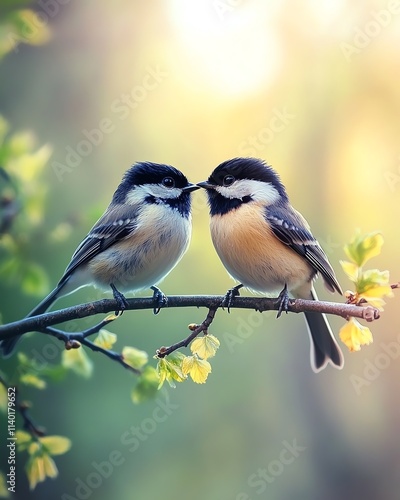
(228, 180)
(168, 182)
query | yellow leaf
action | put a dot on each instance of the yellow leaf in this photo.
(77, 360)
(354, 335)
(105, 339)
(28, 166)
(61, 232)
(376, 302)
(29, 22)
(33, 380)
(205, 347)
(55, 445)
(23, 439)
(112, 317)
(50, 467)
(350, 269)
(197, 368)
(170, 369)
(364, 247)
(35, 471)
(134, 357)
(4, 493)
(3, 398)
(33, 448)
(374, 296)
(21, 142)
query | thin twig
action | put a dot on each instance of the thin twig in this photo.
(115, 356)
(203, 327)
(28, 423)
(74, 340)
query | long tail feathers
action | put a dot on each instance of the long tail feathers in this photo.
(7, 346)
(324, 348)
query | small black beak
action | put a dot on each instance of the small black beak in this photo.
(206, 185)
(190, 187)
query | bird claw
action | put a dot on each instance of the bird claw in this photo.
(230, 297)
(283, 301)
(120, 299)
(159, 298)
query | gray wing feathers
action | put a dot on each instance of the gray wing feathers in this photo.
(112, 227)
(293, 230)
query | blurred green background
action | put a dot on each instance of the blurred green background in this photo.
(312, 88)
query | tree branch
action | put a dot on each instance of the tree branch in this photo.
(212, 302)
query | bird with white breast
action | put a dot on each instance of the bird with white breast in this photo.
(138, 240)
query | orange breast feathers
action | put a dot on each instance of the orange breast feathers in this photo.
(253, 255)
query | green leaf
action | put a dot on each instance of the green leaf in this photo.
(34, 448)
(134, 357)
(105, 339)
(23, 359)
(170, 369)
(78, 361)
(35, 280)
(21, 143)
(147, 386)
(373, 277)
(25, 22)
(33, 380)
(24, 440)
(55, 445)
(27, 167)
(10, 269)
(364, 247)
(3, 398)
(4, 493)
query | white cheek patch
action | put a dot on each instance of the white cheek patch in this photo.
(137, 195)
(160, 191)
(259, 191)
